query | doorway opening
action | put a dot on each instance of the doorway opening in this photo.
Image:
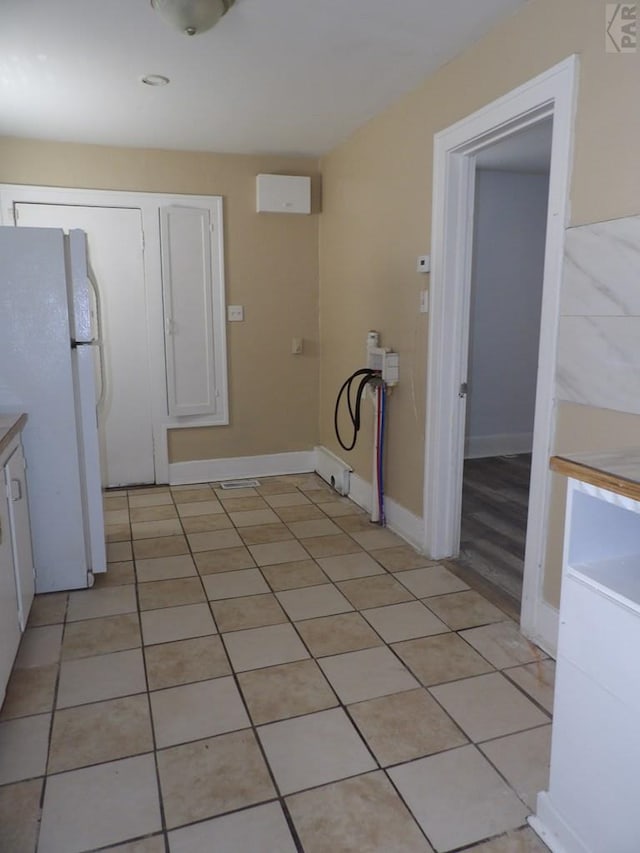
(548, 97)
(509, 233)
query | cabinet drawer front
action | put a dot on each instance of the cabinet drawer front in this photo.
(602, 638)
(594, 759)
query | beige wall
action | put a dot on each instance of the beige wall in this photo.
(377, 210)
(271, 265)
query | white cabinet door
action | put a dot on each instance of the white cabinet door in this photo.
(16, 487)
(188, 305)
(9, 626)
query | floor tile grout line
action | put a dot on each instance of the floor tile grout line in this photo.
(163, 817)
(133, 840)
(497, 769)
(528, 696)
(45, 777)
(56, 689)
(275, 799)
(539, 705)
(406, 805)
(469, 848)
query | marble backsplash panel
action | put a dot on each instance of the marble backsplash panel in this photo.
(599, 336)
(601, 276)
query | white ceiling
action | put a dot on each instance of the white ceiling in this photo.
(526, 151)
(273, 76)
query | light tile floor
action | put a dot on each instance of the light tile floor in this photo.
(262, 671)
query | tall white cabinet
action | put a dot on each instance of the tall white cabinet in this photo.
(593, 801)
(16, 559)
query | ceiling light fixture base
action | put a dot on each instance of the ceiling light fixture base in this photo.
(192, 16)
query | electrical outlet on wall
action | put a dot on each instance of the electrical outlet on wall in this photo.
(235, 313)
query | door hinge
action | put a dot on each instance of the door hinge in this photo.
(464, 389)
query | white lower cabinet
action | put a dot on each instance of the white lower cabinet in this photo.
(16, 560)
(9, 624)
(593, 801)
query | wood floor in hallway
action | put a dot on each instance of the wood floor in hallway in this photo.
(495, 496)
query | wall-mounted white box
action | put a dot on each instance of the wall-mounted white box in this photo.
(283, 194)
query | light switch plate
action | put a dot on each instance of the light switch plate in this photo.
(235, 313)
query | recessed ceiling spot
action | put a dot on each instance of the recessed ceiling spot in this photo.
(155, 80)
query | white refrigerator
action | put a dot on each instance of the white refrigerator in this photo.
(49, 349)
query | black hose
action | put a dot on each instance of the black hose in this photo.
(354, 411)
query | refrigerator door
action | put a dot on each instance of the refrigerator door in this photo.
(84, 312)
(89, 454)
(37, 377)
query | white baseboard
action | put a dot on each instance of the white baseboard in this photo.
(552, 828)
(548, 625)
(543, 630)
(333, 470)
(239, 467)
(360, 492)
(400, 520)
(479, 446)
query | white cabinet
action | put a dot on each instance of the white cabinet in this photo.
(194, 313)
(16, 560)
(592, 802)
(283, 194)
(16, 492)
(9, 624)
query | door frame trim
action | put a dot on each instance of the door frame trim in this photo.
(149, 205)
(552, 93)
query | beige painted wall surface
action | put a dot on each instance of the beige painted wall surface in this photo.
(271, 264)
(377, 203)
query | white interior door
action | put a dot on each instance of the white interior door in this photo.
(115, 245)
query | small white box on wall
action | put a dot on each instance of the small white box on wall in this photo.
(283, 194)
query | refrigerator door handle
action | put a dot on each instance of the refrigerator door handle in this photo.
(100, 340)
(103, 378)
